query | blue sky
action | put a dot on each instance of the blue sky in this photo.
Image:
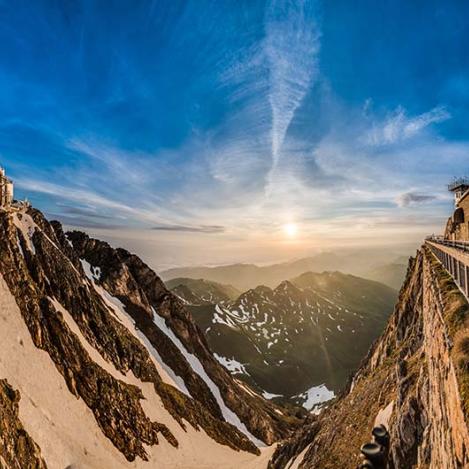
(196, 131)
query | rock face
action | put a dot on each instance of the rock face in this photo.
(456, 226)
(144, 295)
(414, 380)
(111, 328)
(17, 449)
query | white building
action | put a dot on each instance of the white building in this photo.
(6, 190)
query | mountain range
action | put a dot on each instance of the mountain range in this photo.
(201, 292)
(381, 265)
(297, 342)
(413, 382)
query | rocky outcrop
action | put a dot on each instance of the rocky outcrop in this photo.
(17, 449)
(45, 275)
(144, 295)
(414, 380)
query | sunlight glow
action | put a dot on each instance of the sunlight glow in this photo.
(291, 229)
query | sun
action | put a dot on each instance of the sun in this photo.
(291, 229)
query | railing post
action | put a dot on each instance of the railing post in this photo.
(466, 278)
(461, 275)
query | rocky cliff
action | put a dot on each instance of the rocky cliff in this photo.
(101, 365)
(414, 380)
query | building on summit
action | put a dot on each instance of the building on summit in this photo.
(457, 227)
(6, 190)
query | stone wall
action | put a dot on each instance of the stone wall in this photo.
(416, 369)
(457, 228)
(446, 436)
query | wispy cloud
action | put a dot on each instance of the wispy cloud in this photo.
(399, 126)
(71, 194)
(190, 229)
(292, 46)
(122, 204)
(84, 222)
(83, 212)
(409, 198)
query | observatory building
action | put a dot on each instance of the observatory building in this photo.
(6, 190)
(457, 228)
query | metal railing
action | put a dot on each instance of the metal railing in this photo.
(463, 245)
(456, 267)
(463, 181)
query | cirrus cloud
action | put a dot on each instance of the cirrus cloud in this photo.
(399, 126)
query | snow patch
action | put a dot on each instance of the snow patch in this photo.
(118, 309)
(19, 246)
(269, 396)
(315, 396)
(232, 365)
(65, 428)
(295, 462)
(27, 226)
(198, 368)
(93, 273)
(384, 415)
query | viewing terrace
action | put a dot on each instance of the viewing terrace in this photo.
(454, 255)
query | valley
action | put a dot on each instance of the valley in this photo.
(297, 343)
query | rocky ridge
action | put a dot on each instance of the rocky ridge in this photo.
(96, 349)
(77, 297)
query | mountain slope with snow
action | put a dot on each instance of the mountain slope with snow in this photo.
(102, 366)
(302, 339)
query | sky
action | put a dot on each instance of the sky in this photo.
(209, 132)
